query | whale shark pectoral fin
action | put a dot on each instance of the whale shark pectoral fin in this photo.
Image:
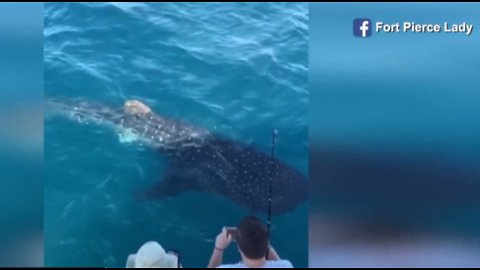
(175, 181)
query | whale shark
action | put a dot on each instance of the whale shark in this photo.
(198, 160)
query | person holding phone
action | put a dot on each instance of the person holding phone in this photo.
(251, 237)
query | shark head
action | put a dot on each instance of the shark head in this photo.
(82, 111)
(134, 122)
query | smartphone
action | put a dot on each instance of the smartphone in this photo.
(232, 231)
(175, 253)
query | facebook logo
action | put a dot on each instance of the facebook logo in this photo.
(362, 27)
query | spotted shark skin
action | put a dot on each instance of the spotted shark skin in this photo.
(200, 160)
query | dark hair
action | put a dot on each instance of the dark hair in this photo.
(252, 238)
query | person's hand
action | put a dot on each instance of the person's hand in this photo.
(223, 240)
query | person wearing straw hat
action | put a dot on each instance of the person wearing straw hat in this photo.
(152, 255)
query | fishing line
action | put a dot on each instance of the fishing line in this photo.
(270, 190)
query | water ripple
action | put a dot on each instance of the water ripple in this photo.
(239, 69)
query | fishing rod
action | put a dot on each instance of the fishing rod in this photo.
(270, 190)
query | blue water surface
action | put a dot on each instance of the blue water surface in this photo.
(238, 69)
(395, 138)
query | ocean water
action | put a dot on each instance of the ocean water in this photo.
(238, 69)
(395, 138)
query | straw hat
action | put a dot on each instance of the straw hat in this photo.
(152, 255)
